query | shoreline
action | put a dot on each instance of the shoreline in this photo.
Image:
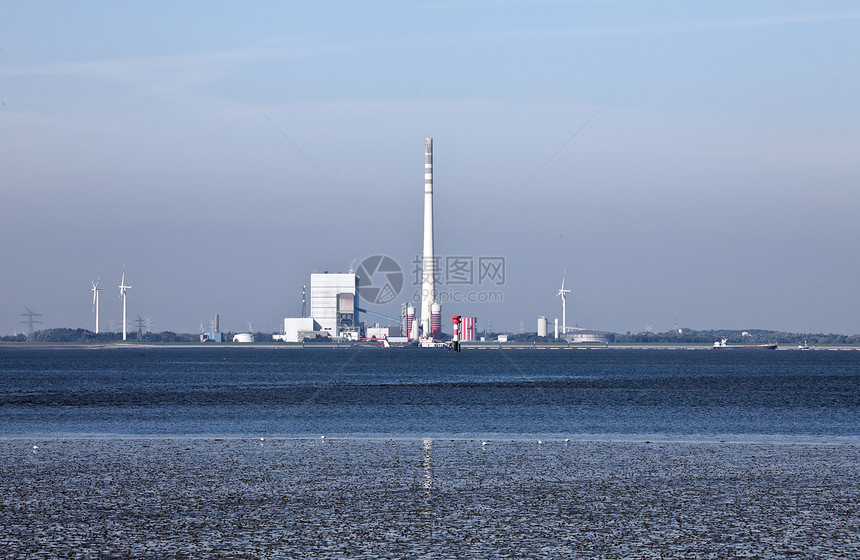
(465, 346)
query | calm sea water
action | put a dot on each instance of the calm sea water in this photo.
(412, 392)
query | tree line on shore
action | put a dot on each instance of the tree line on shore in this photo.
(681, 336)
(84, 336)
(689, 336)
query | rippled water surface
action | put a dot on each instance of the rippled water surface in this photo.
(218, 453)
(407, 391)
(293, 498)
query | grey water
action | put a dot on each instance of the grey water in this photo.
(217, 453)
(415, 392)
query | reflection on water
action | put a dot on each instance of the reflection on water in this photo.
(428, 490)
(428, 468)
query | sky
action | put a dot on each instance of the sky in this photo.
(689, 164)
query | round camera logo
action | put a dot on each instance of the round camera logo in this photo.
(380, 279)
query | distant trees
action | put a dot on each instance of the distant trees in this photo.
(688, 336)
(83, 336)
(14, 338)
(754, 336)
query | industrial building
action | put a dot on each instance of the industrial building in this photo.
(586, 336)
(467, 328)
(334, 303)
(214, 335)
(334, 310)
(379, 332)
(296, 329)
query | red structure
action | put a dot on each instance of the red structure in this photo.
(467, 328)
(455, 343)
(436, 322)
(411, 323)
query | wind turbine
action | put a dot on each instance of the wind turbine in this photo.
(563, 293)
(96, 291)
(122, 293)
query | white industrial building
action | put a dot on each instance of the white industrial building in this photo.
(382, 332)
(334, 310)
(296, 329)
(587, 336)
(334, 302)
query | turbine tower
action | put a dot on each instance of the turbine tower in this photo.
(563, 293)
(96, 291)
(122, 293)
(428, 272)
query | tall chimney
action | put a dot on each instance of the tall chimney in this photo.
(428, 272)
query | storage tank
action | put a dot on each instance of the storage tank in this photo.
(542, 324)
(243, 337)
(411, 325)
(436, 321)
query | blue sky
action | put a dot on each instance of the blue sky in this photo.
(223, 152)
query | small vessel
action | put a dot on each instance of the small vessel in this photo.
(803, 346)
(724, 343)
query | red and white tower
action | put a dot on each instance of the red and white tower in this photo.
(428, 271)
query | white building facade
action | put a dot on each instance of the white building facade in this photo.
(334, 303)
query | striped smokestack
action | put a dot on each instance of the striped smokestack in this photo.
(428, 272)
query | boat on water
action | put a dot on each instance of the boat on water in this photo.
(803, 346)
(724, 343)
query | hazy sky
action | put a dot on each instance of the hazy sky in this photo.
(696, 162)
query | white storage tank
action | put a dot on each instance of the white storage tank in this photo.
(542, 325)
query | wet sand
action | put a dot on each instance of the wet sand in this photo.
(411, 498)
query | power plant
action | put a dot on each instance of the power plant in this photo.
(334, 305)
(334, 311)
(334, 301)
